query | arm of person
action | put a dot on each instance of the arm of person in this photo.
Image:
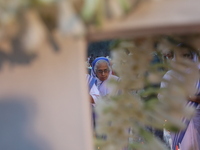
(195, 99)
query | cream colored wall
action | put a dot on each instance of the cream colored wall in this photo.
(46, 100)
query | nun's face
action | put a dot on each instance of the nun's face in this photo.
(102, 71)
(184, 53)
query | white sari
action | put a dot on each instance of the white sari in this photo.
(191, 138)
(103, 86)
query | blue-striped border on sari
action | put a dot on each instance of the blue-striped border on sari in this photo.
(178, 137)
(91, 81)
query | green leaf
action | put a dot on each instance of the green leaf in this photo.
(125, 5)
(89, 8)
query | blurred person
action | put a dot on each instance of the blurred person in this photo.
(91, 59)
(190, 137)
(101, 69)
(88, 59)
(168, 55)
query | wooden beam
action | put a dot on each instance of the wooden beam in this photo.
(152, 18)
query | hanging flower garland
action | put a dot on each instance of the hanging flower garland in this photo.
(125, 119)
(50, 19)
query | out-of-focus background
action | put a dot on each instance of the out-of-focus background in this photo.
(44, 44)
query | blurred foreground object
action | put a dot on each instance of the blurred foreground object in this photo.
(39, 41)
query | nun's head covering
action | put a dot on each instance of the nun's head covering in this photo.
(95, 62)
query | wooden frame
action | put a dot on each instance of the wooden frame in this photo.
(152, 18)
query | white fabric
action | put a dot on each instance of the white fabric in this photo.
(94, 92)
(103, 87)
(192, 137)
(168, 76)
(167, 138)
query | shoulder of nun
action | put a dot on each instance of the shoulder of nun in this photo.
(114, 77)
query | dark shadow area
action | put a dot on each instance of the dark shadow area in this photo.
(18, 56)
(99, 48)
(53, 43)
(16, 115)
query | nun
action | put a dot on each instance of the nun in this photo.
(101, 70)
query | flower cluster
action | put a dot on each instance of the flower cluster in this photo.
(125, 119)
(42, 21)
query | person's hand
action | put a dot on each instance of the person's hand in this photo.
(195, 99)
(91, 100)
